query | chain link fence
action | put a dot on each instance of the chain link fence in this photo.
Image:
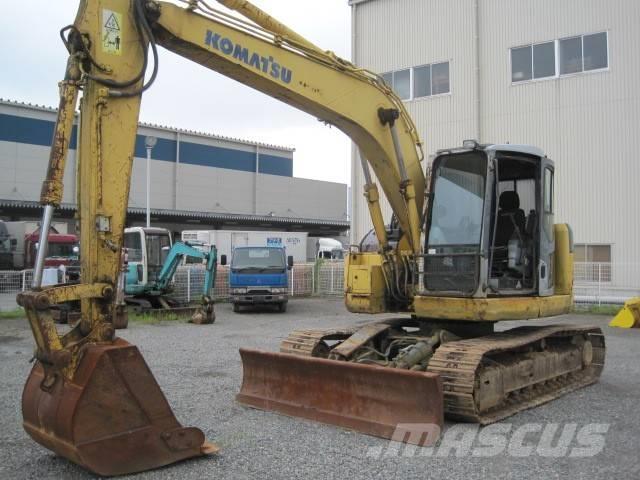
(594, 283)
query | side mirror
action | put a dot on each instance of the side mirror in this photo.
(223, 260)
(76, 249)
(290, 262)
(37, 245)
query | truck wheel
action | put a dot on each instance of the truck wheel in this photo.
(236, 308)
(282, 307)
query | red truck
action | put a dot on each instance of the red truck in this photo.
(63, 247)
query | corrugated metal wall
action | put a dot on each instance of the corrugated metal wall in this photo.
(391, 35)
(179, 185)
(587, 123)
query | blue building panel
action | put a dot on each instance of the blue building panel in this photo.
(210, 156)
(29, 130)
(274, 165)
(164, 149)
(14, 128)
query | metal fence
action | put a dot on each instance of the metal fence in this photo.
(594, 283)
(604, 283)
(305, 280)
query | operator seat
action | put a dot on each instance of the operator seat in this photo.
(510, 217)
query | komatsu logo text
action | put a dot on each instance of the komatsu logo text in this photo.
(264, 64)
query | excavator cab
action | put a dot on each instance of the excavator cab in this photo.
(147, 250)
(489, 228)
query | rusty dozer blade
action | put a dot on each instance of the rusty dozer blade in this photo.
(369, 399)
(112, 418)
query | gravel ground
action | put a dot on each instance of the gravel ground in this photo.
(198, 368)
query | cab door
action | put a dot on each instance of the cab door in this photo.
(546, 258)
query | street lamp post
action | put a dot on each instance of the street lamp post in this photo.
(149, 142)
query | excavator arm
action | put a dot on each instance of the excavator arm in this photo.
(83, 376)
(274, 60)
(179, 251)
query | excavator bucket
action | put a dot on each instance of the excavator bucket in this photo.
(112, 418)
(373, 400)
(629, 316)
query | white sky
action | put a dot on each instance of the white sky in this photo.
(186, 95)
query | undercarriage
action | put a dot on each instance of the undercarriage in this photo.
(486, 375)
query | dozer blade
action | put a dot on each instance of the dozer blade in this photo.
(629, 316)
(112, 418)
(370, 399)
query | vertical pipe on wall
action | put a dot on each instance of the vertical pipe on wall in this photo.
(176, 172)
(476, 60)
(255, 181)
(355, 205)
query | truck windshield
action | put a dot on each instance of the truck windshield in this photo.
(458, 201)
(258, 259)
(61, 250)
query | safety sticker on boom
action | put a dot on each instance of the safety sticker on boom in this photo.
(111, 32)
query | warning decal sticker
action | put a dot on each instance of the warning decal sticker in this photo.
(111, 32)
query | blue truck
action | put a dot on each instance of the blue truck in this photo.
(259, 276)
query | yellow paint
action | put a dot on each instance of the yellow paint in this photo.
(364, 283)
(373, 200)
(491, 309)
(563, 268)
(629, 315)
(68, 293)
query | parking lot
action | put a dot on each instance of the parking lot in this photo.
(199, 370)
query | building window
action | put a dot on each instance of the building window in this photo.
(388, 78)
(422, 81)
(592, 262)
(533, 61)
(577, 54)
(521, 64)
(584, 252)
(544, 60)
(584, 53)
(419, 82)
(402, 83)
(570, 55)
(440, 78)
(595, 51)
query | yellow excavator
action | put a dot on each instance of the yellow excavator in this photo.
(455, 259)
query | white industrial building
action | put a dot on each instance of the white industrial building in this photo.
(198, 180)
(560, 75)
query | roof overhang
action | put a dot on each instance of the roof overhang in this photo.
(177, 216)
